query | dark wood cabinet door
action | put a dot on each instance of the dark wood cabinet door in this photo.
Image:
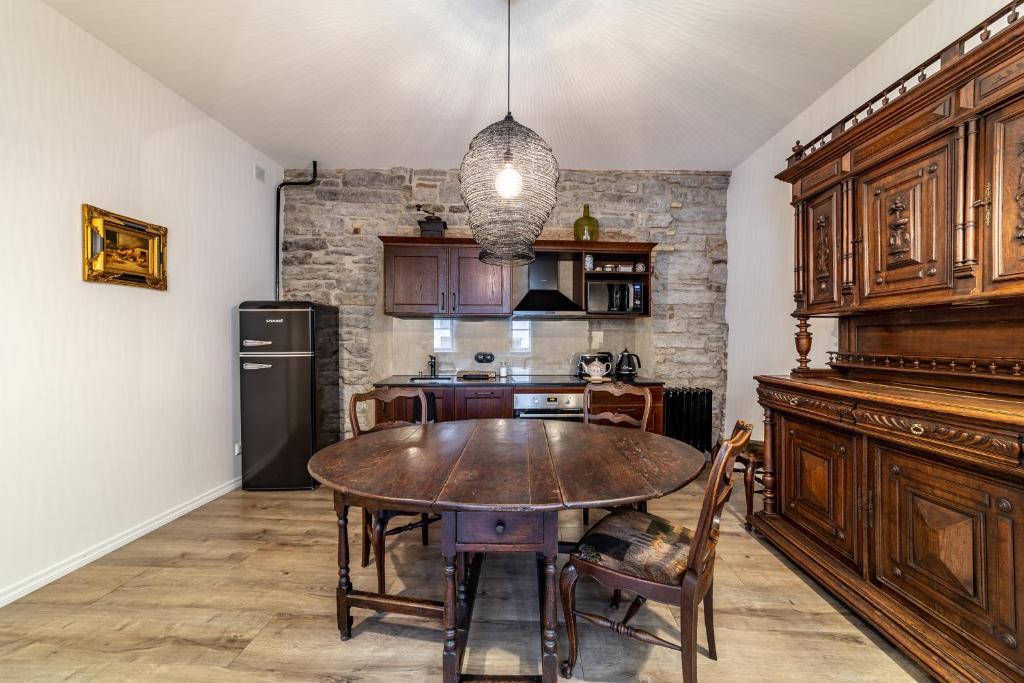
(908, 223)
(1003, 220)
(950, 543)
(482, 403)
(823, 240)
(440, 407)
(477, 288)
(818, 487)
(416, 280)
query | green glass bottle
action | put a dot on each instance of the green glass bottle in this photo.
(586, 227)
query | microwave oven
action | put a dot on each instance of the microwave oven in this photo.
(615, 297)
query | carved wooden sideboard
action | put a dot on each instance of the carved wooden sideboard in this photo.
(895, 477)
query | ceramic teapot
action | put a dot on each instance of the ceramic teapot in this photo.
(598, 369)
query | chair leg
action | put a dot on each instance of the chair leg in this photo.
(379, 526)
(616, 601)
(709, 620)
(365, 536)
(634, 607)
(586, 517)
(425, 530)
(688, 633)
(748, 489)
(567, 587)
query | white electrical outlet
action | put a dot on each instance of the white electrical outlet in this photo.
(238, 449)
(259, 173)
(596, 338)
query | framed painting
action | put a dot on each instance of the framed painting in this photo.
(121, 250)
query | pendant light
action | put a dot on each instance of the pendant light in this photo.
(507, 180)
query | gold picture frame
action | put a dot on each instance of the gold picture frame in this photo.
(121, 250)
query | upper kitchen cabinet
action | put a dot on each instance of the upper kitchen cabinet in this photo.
(425, 280)
(1002, 204)
(907, 219)
(477, 288)
(444, 278)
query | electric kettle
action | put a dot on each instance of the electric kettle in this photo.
(627, 365)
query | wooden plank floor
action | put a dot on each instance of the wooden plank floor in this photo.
(242, 589)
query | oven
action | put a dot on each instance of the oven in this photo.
(553, 406)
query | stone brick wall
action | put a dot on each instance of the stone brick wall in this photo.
(331, 254)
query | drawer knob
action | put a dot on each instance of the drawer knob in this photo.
(1010, 641)
(895, 470)
(916, 429)
(1005, 505)
(897, 572)
(499, 527)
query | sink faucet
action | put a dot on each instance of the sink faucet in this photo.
(432, 364)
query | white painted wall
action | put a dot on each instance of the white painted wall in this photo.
(760, 222)
(116, 403)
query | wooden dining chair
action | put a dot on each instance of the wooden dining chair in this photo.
(615, 417)
(660, 561)
(751, 462)
(375, 522)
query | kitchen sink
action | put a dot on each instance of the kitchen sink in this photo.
(427, 378)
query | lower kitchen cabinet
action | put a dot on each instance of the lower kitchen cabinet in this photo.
(440, 407)
(483, 402)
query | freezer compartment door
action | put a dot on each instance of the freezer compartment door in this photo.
(275, 331)
(277, 422)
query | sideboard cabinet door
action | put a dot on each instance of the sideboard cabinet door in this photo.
(907, 219)
(951, 543)
(818, 487)
(416, 280)
(1003, 219)
(823, 240)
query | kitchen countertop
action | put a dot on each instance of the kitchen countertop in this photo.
(510, 381)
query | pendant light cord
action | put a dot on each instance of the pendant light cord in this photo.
(508, 61)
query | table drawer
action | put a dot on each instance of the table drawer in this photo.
(500, 528)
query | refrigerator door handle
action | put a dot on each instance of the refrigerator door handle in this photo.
(256, 366)
(256, 342)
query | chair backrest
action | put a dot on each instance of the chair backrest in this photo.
(385, 396)
(617, 418)
(716, 495)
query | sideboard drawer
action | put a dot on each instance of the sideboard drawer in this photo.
(500, 528)
(994, 445)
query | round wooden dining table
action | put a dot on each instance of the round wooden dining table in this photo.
(498, 486)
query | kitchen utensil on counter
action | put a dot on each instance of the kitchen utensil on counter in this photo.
(596, 370)
(628, 365)
(469, 375)
(586, 358)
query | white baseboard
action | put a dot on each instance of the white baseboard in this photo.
(54, 572)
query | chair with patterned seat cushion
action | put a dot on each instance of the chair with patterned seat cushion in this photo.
(660, 561)
(375, 522)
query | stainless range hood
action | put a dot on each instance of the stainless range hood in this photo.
(543, 298)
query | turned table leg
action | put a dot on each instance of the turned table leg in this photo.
(549, 618)
(344, 582)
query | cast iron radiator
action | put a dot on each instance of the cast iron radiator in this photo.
(688, 416)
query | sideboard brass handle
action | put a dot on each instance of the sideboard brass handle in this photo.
(895, 470)
(1010, 641)
(897, 572)
(499, 527)
(916, 429)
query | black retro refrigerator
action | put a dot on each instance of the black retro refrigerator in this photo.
(288, 351)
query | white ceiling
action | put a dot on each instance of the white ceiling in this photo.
(682, 84)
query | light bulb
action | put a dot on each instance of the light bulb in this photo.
(509, 183)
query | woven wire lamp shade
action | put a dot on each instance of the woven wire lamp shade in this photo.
(506, 228)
